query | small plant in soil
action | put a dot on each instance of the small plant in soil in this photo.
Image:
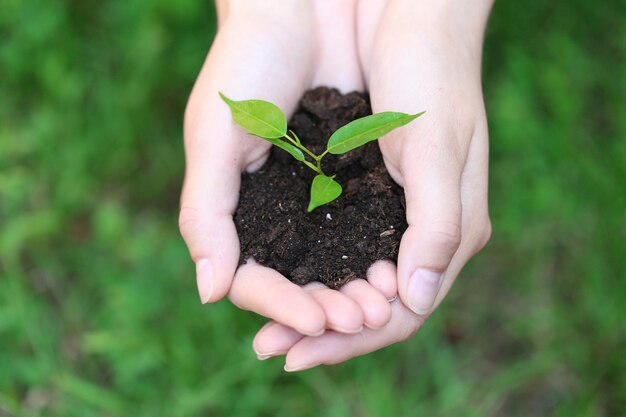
(267, 121)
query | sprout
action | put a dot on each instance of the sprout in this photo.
(265, 120)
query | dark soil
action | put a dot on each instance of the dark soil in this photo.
(339, 241)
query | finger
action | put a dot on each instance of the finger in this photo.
(210, 193)
(342, 314)
(474, 192)
(337, 57)
(431, 170)
(382, 275)
(208, 201)
(430, 153)
(476, 225)
(368, 15)
(274, 339)
(374, 305)
(268, 293)
(333, 347)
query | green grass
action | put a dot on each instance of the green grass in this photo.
(98, 310)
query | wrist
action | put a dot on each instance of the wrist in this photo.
(458, 20)
(257, 8)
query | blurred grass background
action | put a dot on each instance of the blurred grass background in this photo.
(99, 314)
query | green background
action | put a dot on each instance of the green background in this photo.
(99, 314)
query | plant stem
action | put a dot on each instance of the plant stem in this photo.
(313, 167)
(318, 159)
(297, 139)
(293, 141)
(296, 142)
(311, 154)
(319, 163)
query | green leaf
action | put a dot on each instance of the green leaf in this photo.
(323, 190)
(264, 120)
(367, 129)
(261, 118)
(295, 152)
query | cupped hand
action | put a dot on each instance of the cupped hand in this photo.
(275, 55)
(415, 59)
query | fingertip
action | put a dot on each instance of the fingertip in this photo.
(341, 312)
(378, 315)
(347, 319)
(331, 348)
(382, 275)
(204, 279)
(374, 304)
(297, 368)
(268, 293)
(302, 356)
(314, 313)
(214, 279)
(315, 323)
(274, 339)
(420, 279)
(214, 247)
(212, 283)
(260, 335)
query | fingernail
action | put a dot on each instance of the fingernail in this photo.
(370, 326)
(392, 299)
(316, 334)
(263, 356)
(297, 368)
(423, 288)
(204, 279)
(345, 330)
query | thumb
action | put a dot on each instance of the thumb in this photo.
(208, 201)
(431, 175)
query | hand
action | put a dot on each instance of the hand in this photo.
(274, 55)
(419, 58)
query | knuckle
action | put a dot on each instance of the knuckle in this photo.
(406, 332)
(484, 235)
(445, 236)
(408, 329)
(188, 222)
(487, 231)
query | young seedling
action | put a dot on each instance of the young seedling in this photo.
(265, 120)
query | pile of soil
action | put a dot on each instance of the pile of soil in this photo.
(339, 241)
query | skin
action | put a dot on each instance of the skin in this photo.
(442, 161)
